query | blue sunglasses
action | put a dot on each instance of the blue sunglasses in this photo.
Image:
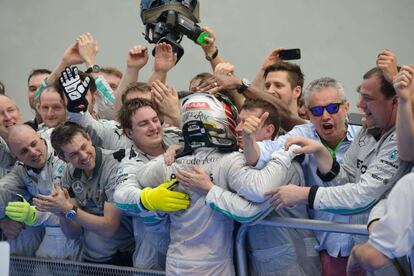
(330, 108)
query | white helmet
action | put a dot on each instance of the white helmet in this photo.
(218, 118)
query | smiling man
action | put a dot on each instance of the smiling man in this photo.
(36, 173)
(51, 108)
(90, 213)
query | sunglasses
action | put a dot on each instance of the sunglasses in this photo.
(330, 108)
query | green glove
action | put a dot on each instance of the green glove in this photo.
(22, 211)
(163, 199)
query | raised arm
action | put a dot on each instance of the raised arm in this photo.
(404, 86)
(137, 58)
(70, 57)
(272, 57)
(165, 60)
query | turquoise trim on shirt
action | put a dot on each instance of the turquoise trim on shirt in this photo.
(234, 217)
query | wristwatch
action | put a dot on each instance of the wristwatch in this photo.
(71, 214)
(245, 83)
(213, 56)
(93, 69)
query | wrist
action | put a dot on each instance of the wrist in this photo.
(210, 49)
(90, 62)
(212, 54)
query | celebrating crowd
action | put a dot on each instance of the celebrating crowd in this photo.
(114, 169)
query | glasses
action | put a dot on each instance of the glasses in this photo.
(331, 108)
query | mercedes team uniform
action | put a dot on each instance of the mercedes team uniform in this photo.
(91, 193)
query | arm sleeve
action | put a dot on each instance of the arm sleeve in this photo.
(253, 184)
(7, 160)
(359, 196)
(234, 206)
(46, 219)
(103, 134)
(394, 234)
(105, 100)
(268, 147)
(10, 185)
(127, 191)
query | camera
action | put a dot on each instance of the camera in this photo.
(168, 21)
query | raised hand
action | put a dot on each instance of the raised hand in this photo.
(209, 48)
(88, 48)
(404, 82)
(71, 56)
(253, 123)
(75, 89)
(387, 62)
(166, 99)
(137, 57)
(165, 58)
(271, 58)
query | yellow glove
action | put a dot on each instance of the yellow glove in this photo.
(22, 211)
(163, 199)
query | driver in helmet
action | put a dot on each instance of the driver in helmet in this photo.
(201, 237)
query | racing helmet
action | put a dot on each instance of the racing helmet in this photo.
(209, 121)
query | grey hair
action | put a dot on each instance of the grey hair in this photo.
(320, 83)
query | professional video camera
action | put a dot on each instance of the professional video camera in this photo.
(168, 20)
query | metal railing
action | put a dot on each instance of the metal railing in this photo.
(24, 266)
(306, 224)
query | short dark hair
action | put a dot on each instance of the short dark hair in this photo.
(295, 74)
(2, 89)
(111, 71)
(273, 118)
(202, 76)
(129, 108)
(386, 88)
(135, 86)
(40, 71)
(63, 135)
(56, 89)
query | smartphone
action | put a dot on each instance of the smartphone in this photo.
(355, 119)
(289, 54)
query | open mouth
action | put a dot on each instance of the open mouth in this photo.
(327, 126)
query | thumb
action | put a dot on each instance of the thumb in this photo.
(174, 92)
(168, 184)
(22, 198)
(86, 83)
(272, 192)
(264, 117)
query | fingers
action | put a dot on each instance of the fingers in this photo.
(85, 85)
(163, 49)
(138, 50)
(183, 176)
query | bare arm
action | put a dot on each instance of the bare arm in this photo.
(165, 60)
(210, 49)
(59, 203)
(404, 86)
(273, 57)
(365, 256)
(137, 58)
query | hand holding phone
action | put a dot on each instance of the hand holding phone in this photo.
(289, 54)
